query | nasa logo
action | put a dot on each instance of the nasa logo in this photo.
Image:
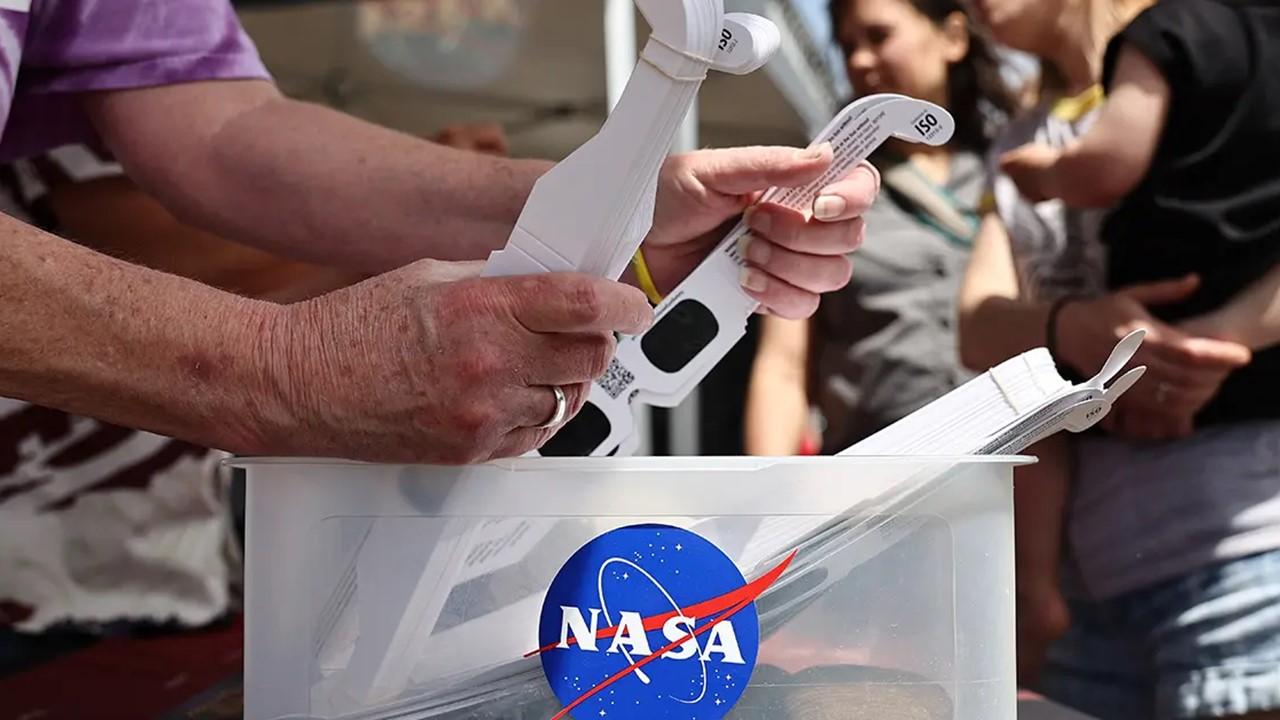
(650, 621)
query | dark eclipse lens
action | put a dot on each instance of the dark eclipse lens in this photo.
(679, 336)
(580, 436)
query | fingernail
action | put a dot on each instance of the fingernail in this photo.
(754, 250)
(646, 321)
(828, 207)
(815, 152)
(761, 222)
(871, 171)
(752, 279)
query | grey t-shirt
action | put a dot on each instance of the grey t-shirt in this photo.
(1140, 512)
(886, 343)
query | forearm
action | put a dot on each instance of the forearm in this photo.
(1086, 176)
(309, 182)
(777, 402)
(1115, 154)
(998, 328)
(112, 216)
(777, 412)
(1251, 318)
(95, 336)
(995, 323)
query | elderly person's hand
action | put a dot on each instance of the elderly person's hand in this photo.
(1184, 368)
(793, 257)
(429, 363)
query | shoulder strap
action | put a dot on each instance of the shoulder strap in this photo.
(932, 203)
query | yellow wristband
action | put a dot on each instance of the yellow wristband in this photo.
(645, 278)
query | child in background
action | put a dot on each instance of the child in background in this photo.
(1185, 150)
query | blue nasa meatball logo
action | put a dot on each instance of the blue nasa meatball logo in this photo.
(650, 621)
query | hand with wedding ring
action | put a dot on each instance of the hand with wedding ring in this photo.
(430, 363)
(560, 413)
(1185, 365)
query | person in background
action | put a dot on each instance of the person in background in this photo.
(885, 345)
(487, 138)
(1172, 525)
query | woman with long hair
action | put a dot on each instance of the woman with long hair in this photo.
(885, 345)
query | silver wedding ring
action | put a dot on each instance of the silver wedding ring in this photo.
(562, 407)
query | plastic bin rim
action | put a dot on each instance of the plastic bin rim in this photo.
(727, 462)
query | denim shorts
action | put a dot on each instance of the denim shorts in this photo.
(1203, 645)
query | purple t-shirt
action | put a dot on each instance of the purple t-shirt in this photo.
(52, 49)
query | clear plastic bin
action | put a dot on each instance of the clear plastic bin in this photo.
(418, 591)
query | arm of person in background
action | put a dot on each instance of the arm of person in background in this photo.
(487, 138)
(1185, 368)
(1111, 159)
(113, 216)
(777, 402)
(995, 321)
(1251, 318)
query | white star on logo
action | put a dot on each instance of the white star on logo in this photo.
(719, 701)
(729, 678)
(603, 713)
(625, 576)
(679, 547)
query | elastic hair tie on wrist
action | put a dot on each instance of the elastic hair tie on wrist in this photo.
(645, 278)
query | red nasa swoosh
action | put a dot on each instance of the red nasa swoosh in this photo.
(707, 607)
(726, 606)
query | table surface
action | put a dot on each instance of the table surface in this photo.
(193, 676)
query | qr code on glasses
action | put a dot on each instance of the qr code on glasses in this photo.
(616, 379)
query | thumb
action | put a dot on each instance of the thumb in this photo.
(1221, 353)
(739, 171)
(1163, 292)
